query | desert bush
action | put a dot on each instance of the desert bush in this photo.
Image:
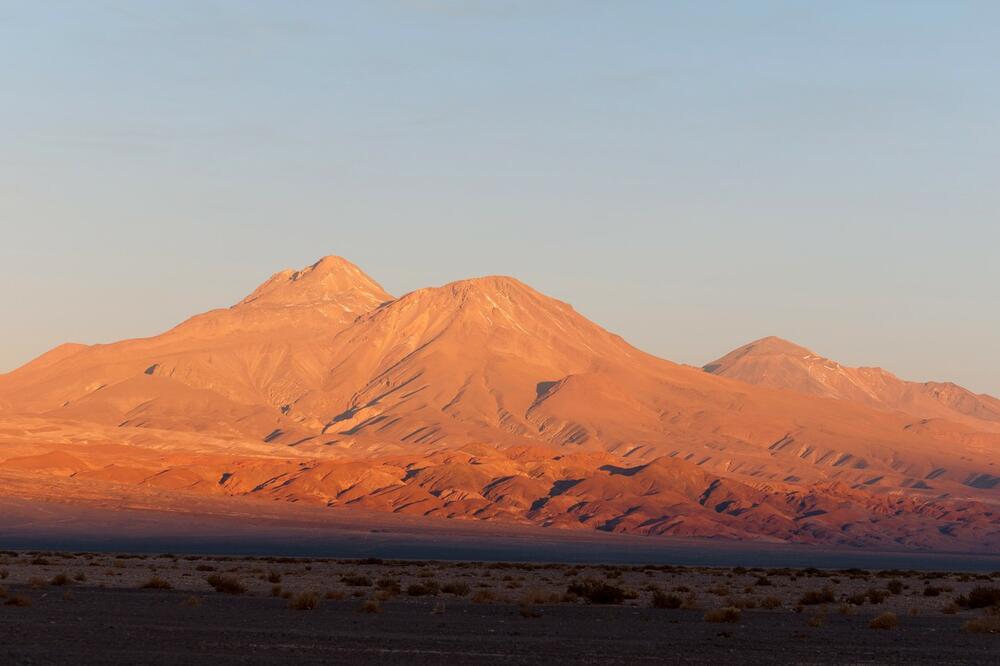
(370, 606)
(304, 601)
(763, 581)
(3, 592)
(226, 584)
(728, 614)
(982, 597)
(458, 588)
(770, 603)
(815, 620)
(3, 574)
(80, 577)
(428, 588)
(18, 600)
(334, 595)
(985, 624)
(876, 596)
(815, 597)
(895, 586)
(597, 592)
(356, 580)
(274, 577)
(484, 597)
(204, 567)
(666, 600)
(192, 601)
(35, 582)
(390, 584)
(275, 590)
(39, 562)
(884, 621)
(61, 579)
(931, 591)
(156, 583)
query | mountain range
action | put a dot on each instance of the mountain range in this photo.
(484, 399)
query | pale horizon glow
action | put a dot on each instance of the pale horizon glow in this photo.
(691, 176)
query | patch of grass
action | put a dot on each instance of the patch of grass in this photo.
(728, 614)
(226, 584)
(884, 621)
(157, 583)
(304, 601)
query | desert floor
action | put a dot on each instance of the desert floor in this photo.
(105, 608)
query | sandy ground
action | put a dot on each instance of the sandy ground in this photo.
(93, 608)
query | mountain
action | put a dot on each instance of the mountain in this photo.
(484, 399)
(780, 364)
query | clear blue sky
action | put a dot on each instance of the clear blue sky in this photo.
(691, 175)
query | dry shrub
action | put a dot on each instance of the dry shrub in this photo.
(598, 592)
(274, 577)
(950, 609)
(226, 584)
(770, 603)
(982, 597)
(304, 601)
(334, 595)
(192, 601)
(894, 586)
(3, 574)
(458, 588)
(428, 588)
(484, 597)
(18, 600)
(157, 583)
(355, 580)
(275, 590)
(37, 583)
(884, 621)
(666, 600)
(728, 614)
(815, 597)
(370, 606)
(815, 620)
(3, 593)
(985, 624)
(528, 611)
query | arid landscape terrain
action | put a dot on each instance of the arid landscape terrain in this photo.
(485, 400)
(166, 608)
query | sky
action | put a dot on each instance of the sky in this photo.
(690, 175)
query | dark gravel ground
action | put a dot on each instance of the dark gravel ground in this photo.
(117, 626)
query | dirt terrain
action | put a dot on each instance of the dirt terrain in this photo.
(103, 608)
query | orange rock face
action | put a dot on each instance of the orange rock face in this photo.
(486, 400)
